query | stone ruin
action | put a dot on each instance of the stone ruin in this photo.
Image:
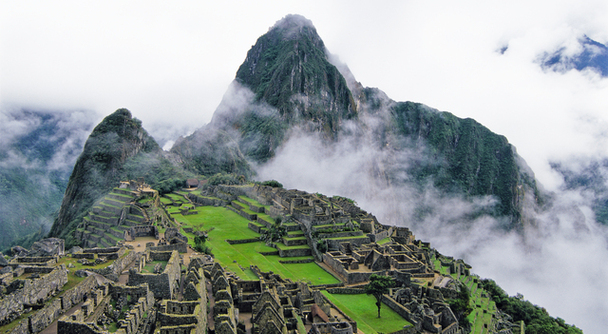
(355, 264)
(424, 307)
(129, 309)
(27, 285)
(270, 304)
(48, 247)
(165, 284)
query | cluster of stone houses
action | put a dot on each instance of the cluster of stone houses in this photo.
(204, 297)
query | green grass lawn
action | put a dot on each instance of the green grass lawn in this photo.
(229, 225)
(384, 241)
(176, 198)
(362, 309)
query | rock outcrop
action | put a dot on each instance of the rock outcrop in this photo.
(99, 168)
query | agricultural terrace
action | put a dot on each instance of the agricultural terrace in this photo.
(222, 224)
(362, 309)
(484, 308)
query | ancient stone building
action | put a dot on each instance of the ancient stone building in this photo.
(129, 308)
(165, 284)
(424, 307)
(25, 286)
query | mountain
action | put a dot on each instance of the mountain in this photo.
(290, 84)
(287, 86)
(119, 148)
(38, 152)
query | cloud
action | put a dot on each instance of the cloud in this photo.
(45, 140)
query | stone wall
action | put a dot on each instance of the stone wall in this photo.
(39, 270)
(76, 295)
(32, 291)
(21, 328)
(401, 310)
(236, 208)
(45, 316)
(346, 275)
(113, 271)
(346, 291)
(179, 247)
(78, 328)
(38, 260)
(254, 227)
(89, 256)
(143, 231)
(102, 250)
(374, 237)
(52, 310)
(188, 313)
(346, 317)
(332, 328)
(340, 234)
(163, 285)
(242, 241)
(295, 252)
(138, 319)
(335, 243)
(206, 201)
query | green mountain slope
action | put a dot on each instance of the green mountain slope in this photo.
(474, 160)
(119, 148)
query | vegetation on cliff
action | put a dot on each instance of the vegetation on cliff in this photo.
(293, 84)
(117, 149)
(535, 318)
(464, 156)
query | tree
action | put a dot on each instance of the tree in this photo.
(378, 286)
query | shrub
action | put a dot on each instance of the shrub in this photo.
(272, 183)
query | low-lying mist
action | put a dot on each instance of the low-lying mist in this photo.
(556, 261)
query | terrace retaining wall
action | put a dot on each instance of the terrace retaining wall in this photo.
(113, 271)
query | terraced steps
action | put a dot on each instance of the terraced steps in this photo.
(295, 241)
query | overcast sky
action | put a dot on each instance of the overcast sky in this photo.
(170, 62)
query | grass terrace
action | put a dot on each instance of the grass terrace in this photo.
(176, 198)
(228, 225)
(384, 241)
(483, 308)
(362, 309)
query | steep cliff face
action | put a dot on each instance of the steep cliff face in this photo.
(288, 68)
(101, 166)
(473, 160)
(287, 82)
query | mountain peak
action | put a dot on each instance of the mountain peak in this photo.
(294, 27)
(290, 61)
